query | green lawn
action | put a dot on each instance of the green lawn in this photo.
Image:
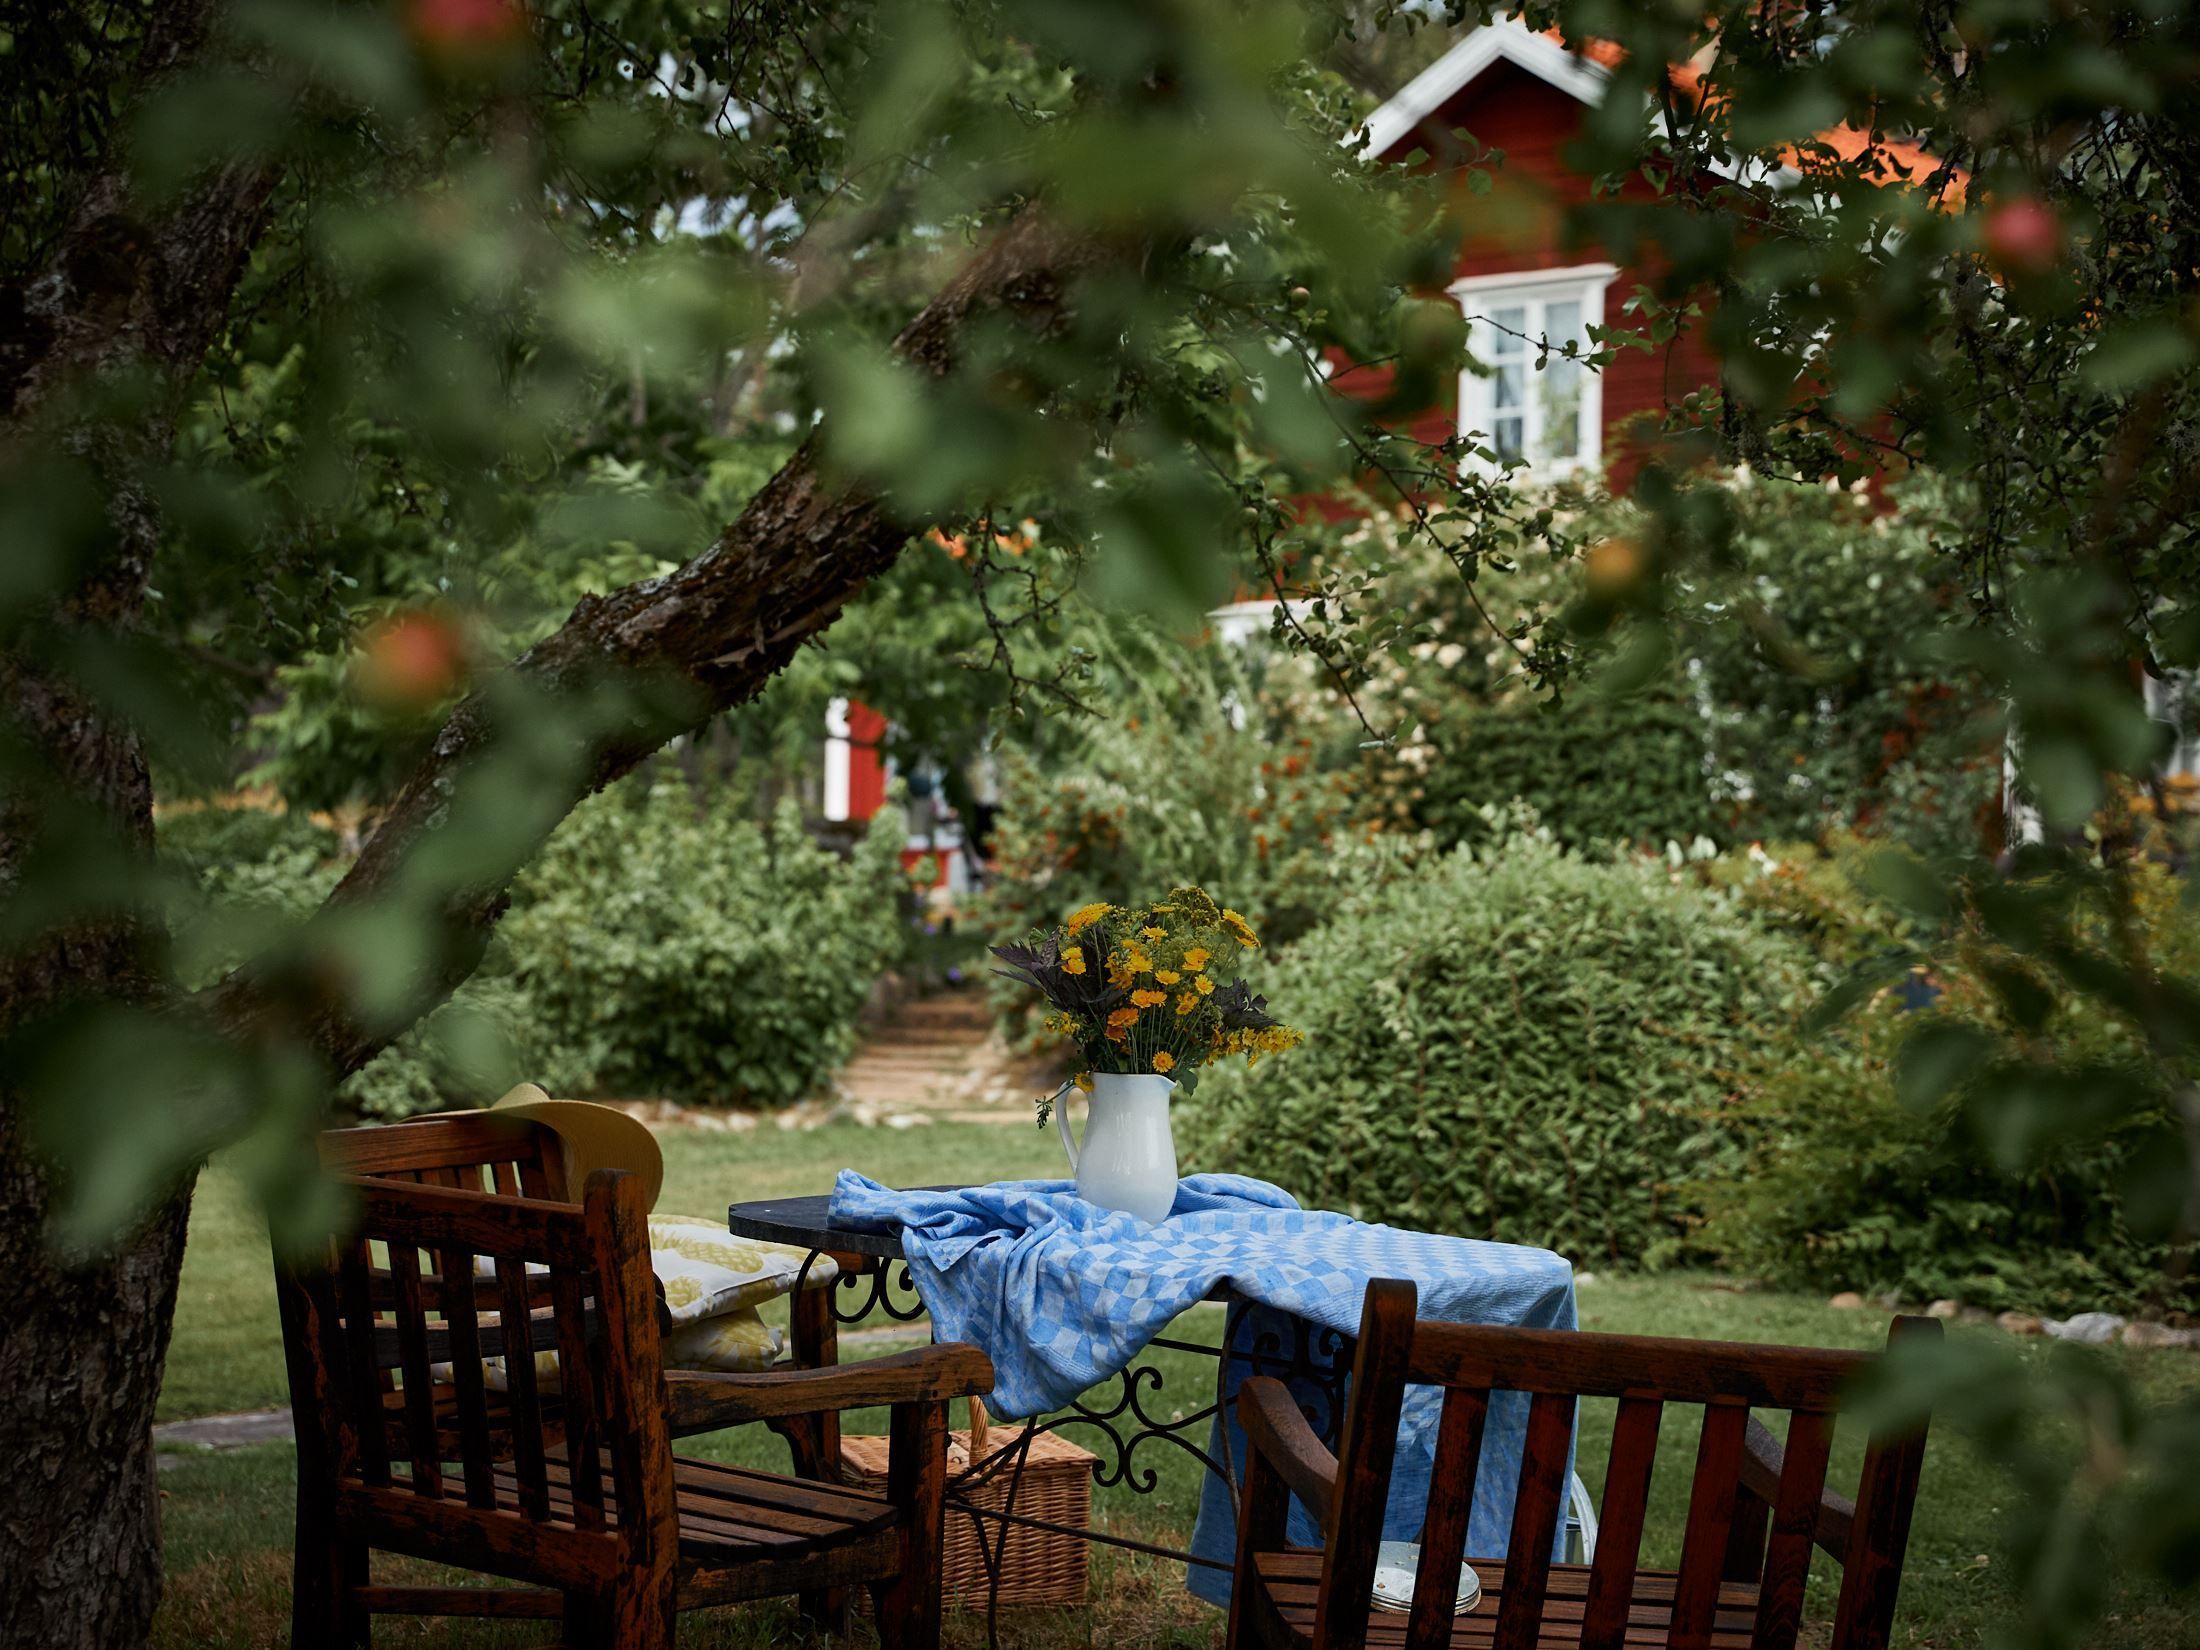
(227, 1516)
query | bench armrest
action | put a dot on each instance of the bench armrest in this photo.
(1274, 1427)
(698, 1400)
(1762, 1459)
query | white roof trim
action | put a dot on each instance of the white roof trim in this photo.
(1509, 40)
(1470, 286)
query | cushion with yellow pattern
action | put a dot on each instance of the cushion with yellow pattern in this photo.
(706, 1271)
(737, 1342)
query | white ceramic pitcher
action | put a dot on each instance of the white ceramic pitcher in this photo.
(1128, 1160)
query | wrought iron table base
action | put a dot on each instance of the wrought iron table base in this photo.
(1318, 1358)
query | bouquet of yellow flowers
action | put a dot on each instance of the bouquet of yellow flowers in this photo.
(1150, 989)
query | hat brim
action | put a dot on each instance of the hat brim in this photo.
(593, 1137)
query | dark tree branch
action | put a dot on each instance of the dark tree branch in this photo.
(702, 639)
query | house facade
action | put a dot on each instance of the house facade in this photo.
(1517, 280)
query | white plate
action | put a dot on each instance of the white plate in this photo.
(1397, 1563)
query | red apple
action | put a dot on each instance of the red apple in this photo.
(464, 24)
(1613, 567)
(411, 661)
(2024, 236)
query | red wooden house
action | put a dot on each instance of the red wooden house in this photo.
(1517, 281)
(1527, 94)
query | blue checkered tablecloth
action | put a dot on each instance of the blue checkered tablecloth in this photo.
(1062, 1295)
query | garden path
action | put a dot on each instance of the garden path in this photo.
(934, 1059)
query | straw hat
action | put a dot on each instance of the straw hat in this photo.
(594, 1137)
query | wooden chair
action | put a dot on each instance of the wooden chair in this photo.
(571, 1484)
(1753, 1513)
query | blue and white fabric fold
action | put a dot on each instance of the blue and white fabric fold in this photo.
(1063, 1295)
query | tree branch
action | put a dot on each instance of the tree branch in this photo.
(699, 640)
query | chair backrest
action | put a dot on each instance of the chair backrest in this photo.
(367, 1322)
(478, 1151)
(1556, 1368)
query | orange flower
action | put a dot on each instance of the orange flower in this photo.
(1147, 999)
(1122, 1018)
(1196, 958)
(1167, 976)
(1164, 1061)
(1186, 1003)
(1206, 986)
(1074, 963)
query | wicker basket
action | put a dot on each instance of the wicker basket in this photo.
(1037, 1566)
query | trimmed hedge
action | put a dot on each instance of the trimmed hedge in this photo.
(1516, 1043)
(1628, 771)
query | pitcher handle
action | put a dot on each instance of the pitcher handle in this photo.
(1061, 1123)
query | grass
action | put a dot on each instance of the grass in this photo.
(227, 1517)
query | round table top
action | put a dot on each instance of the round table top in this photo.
(805, 1223)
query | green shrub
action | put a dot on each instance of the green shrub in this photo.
(659, 945)
(1516, 1043)
(1796, 700)
(1846, 1188)
(1842, 1186)
(258, 873)
(1205, 777)
(663, 947)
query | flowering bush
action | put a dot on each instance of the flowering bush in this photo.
(1817, 713)
(1150, 988)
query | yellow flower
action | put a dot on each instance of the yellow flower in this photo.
(1084, 1081)
(1086, 915)
(1167, 976)
(1119, 975)
(1136, 960)
(1186, 1003)
(1074, 963)
(1164, 1061)
(1155, 934)
(1148, 999)
(1196, 958)
(1242, 929)
(1206, 986)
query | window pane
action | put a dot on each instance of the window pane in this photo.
(1506, 438)
(1506, 389)
(1562, 322)
(1506, 328)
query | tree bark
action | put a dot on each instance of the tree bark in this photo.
(697, 641)
(131, 300)
(136, 296)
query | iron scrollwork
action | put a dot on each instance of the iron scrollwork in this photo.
(897, 1299)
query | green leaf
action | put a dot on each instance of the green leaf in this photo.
(1936, 1059)
(2134, 354)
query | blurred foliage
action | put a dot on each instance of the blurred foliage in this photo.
(521, 271)
(663, 945)
(1515, 1042)
(1847, 1185)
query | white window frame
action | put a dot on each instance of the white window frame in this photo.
(1476, 296)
